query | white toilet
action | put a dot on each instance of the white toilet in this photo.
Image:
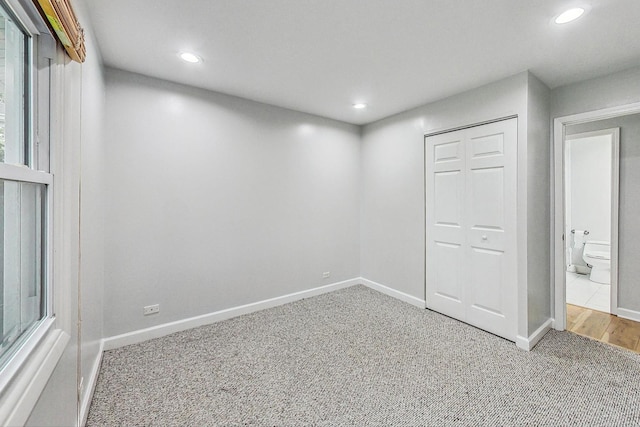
(598, 255)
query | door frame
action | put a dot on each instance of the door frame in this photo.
(614, 133)
(558, 249)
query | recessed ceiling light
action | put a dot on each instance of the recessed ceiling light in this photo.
(569, 15)
(190, 57)
(359, 106)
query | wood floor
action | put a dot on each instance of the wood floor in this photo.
(604, 327)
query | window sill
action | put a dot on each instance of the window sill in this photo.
(25, 377)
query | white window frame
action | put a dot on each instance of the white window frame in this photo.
(26, 373)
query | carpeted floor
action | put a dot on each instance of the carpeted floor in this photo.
(357, 357)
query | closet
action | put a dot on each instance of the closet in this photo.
(471, 218)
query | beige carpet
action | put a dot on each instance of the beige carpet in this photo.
(356, 357)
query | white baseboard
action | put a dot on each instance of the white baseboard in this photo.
(90, 386)
(530, 342)
(625, 313)
(158, 331)
(393, 293)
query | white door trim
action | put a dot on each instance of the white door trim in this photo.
(559, 124)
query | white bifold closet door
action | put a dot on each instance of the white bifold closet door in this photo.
(471, 184)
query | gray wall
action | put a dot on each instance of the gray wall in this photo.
(393, 196)
(605, 92)
(539, 260)
(588, 187)
(629, 213)
(602, 92)
(213, 201)
(393, 211)
(92, 215)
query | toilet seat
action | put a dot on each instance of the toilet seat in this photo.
(598, 255)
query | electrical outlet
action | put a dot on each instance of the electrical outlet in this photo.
(326, 274)
(151, 309)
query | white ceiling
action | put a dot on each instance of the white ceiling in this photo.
(321, 56)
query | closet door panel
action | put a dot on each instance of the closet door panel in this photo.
(487, 197)
(445, 228)
(447, 291)
(486, 296)
(448, 198)
(470, 225)
(491, 200)
(486, 293)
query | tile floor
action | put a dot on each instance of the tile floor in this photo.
(583, 292)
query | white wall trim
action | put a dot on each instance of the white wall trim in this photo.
(625, 313)
(90, 386)
(393, 293)
(533, 339)
(158, 331)
(18, 400)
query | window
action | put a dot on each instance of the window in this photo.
(21, 254)
(24, 192)
(12, 90)
(32, 339)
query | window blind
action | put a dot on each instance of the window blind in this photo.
(63, 21)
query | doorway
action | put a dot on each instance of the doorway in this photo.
(623, 304)
(591, 181)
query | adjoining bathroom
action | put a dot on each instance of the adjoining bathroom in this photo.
(591, 165)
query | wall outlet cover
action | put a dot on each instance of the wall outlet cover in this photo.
(151, 309)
